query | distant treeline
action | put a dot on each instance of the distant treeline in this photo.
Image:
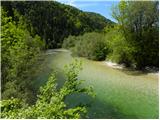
(54, 21)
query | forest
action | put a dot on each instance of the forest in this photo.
(30, 28)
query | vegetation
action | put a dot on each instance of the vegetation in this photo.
(138, 29)
(119, 49)
(133, 41)
(22, 43)
(20, 53)
(90, 45)
(50, 102)
(28, 28)
(53, 21)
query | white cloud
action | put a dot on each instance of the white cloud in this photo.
(81, 3)
(85, 3)
(71, 2)
(68, 2)
(87, 0)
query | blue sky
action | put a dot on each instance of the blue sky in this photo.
(99, 6)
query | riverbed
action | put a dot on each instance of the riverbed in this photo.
(120, 93)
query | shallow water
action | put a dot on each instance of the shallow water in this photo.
(119, 93)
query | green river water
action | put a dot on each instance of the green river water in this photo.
(119, 93)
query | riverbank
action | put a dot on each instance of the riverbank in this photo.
(149, 71)
(114, 65)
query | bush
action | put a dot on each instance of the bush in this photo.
(70, 42)
(20, 53)
(120, 50)
(90, 45)
(50, 103)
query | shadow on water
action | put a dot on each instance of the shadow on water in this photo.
(102, 110)
(96, 109)
(134, 72)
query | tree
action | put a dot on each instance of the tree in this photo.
(138, 22)
(54, 21)
(50, 103)
(119, 49)
(20, 53)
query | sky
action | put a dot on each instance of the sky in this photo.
(99, 6)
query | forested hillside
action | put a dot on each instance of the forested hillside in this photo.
(54, 21)
(34, 83)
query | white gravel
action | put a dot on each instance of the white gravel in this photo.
(121, 66)
(114, 65)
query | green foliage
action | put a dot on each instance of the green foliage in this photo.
(138, 23)
(54, 21)
(19, 54)
(50, 103)
(90, 45)
(70, 42)
(119, 49)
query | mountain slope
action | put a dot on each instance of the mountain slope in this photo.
(54, 21)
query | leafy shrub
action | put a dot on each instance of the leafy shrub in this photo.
(50, 102)
(70, 42)
(90, 45)
(20, 53)
(120, 50)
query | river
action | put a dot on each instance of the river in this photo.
(120, 93)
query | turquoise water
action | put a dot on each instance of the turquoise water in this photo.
(119, 93)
